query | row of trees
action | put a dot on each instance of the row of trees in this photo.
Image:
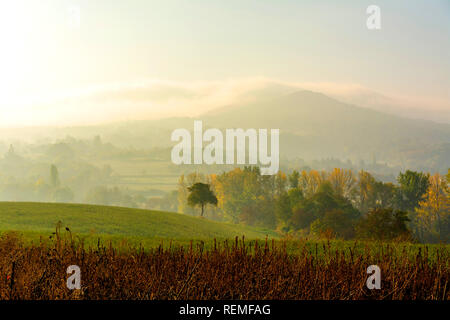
(337, 203)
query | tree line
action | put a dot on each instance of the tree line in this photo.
(333, 204)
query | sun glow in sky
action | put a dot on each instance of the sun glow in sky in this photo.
(50, 66)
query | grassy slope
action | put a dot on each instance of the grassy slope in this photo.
(125, 226)
(41, 218)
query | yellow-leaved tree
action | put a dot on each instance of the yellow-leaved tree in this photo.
(434, 209)
(343, 182)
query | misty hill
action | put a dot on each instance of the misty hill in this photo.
(307, 113)
(312, 126)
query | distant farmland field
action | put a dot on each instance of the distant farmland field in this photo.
(141, 174)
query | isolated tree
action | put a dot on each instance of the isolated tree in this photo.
(201, 195)
(183, 192)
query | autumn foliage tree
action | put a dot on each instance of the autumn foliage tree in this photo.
(434, 210)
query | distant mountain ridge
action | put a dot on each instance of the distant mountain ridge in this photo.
(312, 126)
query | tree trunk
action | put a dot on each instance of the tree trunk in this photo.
(202, 209)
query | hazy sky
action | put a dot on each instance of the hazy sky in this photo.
(49, 64)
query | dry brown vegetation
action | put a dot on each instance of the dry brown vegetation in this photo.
(227, 270)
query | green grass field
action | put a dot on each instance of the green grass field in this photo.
(35, 220)
(127, 227)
